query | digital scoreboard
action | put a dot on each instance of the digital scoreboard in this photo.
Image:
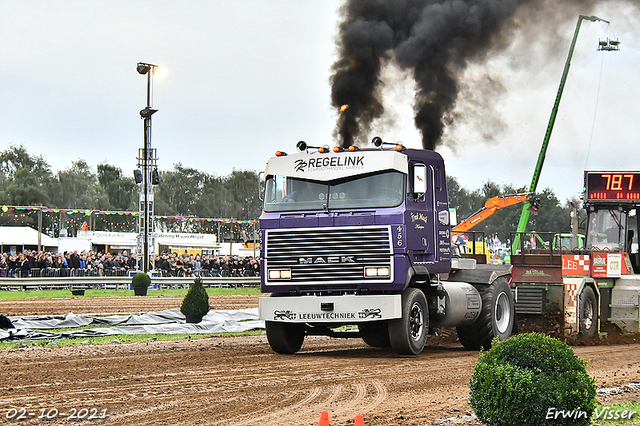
(615, 186)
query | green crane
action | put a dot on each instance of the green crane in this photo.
(524, 217)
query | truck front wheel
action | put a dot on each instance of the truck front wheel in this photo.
(285, 338)
(496, 318)
(408, 334)
(375, 334)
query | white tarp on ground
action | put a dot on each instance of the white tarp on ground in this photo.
(168, 322)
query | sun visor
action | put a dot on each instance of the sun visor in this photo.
(330, 166)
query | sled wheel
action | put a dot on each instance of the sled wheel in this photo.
(588, 313)
(496, 318)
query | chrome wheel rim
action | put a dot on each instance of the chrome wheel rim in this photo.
(502, 313)
(588, 316)
(416, 321)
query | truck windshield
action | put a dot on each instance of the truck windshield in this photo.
(384, 189)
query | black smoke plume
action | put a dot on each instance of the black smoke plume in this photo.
(434, 40)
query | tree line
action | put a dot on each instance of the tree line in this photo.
(27, 180)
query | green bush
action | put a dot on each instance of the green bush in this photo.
(196, 301)
(532, 379)
(141, 279)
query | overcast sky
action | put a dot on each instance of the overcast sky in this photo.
(247, 78)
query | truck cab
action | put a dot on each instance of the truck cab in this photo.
(353, 221)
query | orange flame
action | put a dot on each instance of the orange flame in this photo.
(344, 107)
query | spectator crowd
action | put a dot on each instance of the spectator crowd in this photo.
(90, 263)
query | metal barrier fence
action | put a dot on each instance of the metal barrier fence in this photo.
(118, 282)
(62, 272)
(118, 272)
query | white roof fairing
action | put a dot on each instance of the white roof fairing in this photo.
(332, 165)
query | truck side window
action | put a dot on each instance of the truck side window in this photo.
(438, 178)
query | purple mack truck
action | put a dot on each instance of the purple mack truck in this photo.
(361, 238)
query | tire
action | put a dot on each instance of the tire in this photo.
(285, 338)
(496, 318)
(375, 334)
(588, 324)
(408, 334)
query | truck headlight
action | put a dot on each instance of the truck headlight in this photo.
(376, 271)
(279, 274)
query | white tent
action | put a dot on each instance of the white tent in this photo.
(21, 236)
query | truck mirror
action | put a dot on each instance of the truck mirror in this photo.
(419, 180)
(261, 186)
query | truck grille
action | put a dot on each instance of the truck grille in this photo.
(323, 255)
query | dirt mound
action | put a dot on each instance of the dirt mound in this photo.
(550, 325)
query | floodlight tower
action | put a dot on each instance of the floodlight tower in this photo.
(147, 174)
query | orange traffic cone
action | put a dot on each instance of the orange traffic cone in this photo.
(359, 421)
(324, 419)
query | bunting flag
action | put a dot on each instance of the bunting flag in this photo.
(75, 220)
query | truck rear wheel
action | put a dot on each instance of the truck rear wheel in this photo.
(496, 318)
(375, 334)
(285, 338)
(408, 334)
(588, 313)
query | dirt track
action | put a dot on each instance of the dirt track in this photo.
(239, 381)
(108, 305)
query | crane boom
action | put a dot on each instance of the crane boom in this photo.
(524, 217)
(491, 206)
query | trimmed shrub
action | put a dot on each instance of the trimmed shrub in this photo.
(196, 301)
(532, 379)
(140, 280)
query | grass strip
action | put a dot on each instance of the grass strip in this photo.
(619, 414)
